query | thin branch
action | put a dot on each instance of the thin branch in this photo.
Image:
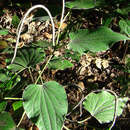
(21, 119)
(29, 69)
(65, 127)
(61, 21)
(44, 68)
(10, 98)
(66, 16)
(80, 102)
(22, 23)
(80, 122)
(40, 77)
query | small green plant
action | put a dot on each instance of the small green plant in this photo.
(45, 103)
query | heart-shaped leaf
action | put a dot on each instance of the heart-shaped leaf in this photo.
(46, 105)
(84, 4)
(102, 106)
(27, 57)
(6, 122)
(97, 40)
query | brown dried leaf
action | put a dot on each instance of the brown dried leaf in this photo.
(81, 85)
(64, 25)
(47, 35)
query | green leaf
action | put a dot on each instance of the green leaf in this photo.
(15, 20)
(3, 77)
(42, 44)
(6, 122)
(16, 105)
(17, 89)
(27, 57)
(2, 106)
(102, 106)
(46, 105)
(127, 63)
(10, 83)
(59, 64)
(84, 4)
(107, 21)
(125, 26)
(124, 11)
(74, 55)
(4, 32)
(97, 40)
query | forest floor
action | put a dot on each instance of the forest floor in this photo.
(92, 71)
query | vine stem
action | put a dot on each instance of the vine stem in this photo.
(40, 77)
(65, 127)
(29, 69)
(21, 119)
(80, 122)
(61, 21)
(44, 68)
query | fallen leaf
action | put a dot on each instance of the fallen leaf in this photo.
(3, 44)
(105, 64)
(98, 63)
(63, 26)
(25, 36)
(81, 85)
(47, 35)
